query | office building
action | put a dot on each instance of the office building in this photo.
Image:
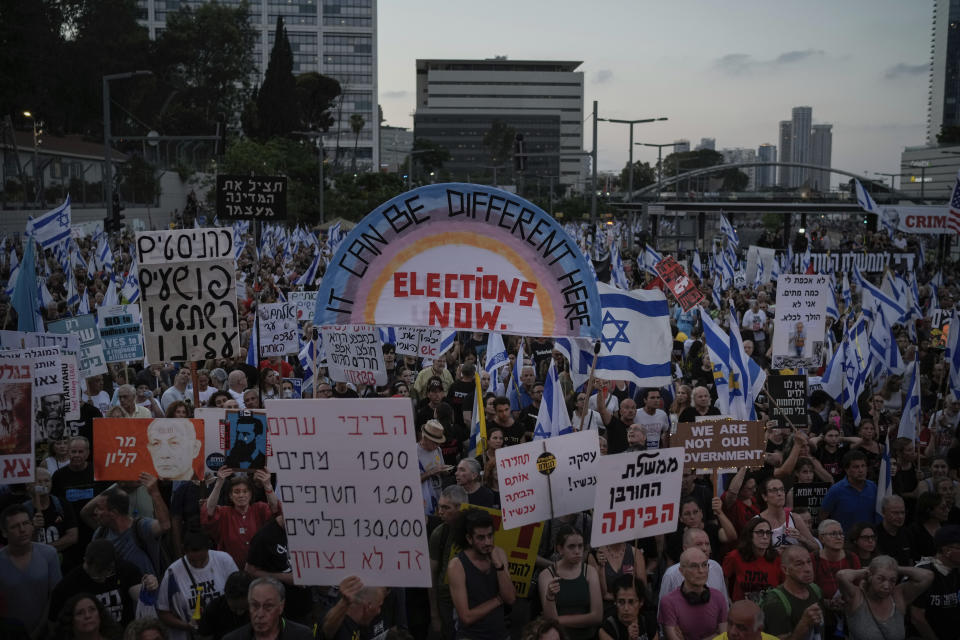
(707, 143)
(943, 102)
(766, 176)
(739, 154)
(458, 101)
(821, 150)
(681, 146)
(800, 128)
(785, 175)
(337, 38)
(396, 143)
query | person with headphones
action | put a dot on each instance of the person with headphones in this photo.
(694, 610)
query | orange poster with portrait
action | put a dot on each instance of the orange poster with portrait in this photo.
(168, 448)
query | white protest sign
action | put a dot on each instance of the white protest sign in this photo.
(17, 442)
(419, 342)
(68, 346)
(354, 354)
(798, 335)
(350, 486)
(188, 294)
(278, 329)
(637, 495)
(759, 255)
(49, 396)
(306, 302)
(547, 478)
(90, 357)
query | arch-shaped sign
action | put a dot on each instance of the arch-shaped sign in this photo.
(461, 256)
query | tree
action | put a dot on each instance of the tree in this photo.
(356, 125)
(431, 155)
(316, 97)
(206, 54)
(643, 174)
(499, 141)
(277, 99)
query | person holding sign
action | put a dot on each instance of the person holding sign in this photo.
(570, 588)
(479, 581)
(233, 527)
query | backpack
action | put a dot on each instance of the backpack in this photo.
(785, 601)
(160, 560)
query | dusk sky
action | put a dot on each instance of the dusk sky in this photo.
(725, 70)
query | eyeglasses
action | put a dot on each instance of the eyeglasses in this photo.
(762, 532)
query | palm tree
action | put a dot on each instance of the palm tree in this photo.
(356, 124)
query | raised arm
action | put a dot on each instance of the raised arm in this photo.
(222, 474)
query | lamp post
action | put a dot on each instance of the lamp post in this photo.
(107, 158)
(659, 159)
(630, 148)
(36, 173)
(892, 176)
(922, 164)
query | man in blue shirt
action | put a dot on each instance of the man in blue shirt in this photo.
(854, 498)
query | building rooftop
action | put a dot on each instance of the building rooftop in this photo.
(497, 64)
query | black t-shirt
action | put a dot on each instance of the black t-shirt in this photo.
(268, 551)
(941, 602)
(616, 436)
(185, 503)
(541, 352)
(57, 518)
(528, 417)
(897, 547)
(219, 619)
(484, 497)
(460, 399)
(514, 433)
(690, 414)
(831, 461)
(83, 426)
(647, 621)
(349, 393)
(114, 592)
(77, 488)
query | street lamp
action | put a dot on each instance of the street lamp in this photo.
(37, 130)
(631, 123)
(659, 159)
(892, 176)
(107, 157)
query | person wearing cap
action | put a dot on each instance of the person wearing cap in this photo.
(432, 466)
(936, 612)
(437, 369)
(115, 582)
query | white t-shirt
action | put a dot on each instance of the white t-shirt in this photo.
(591, 420)
(101, 401)
(432, 485)
(757, 322)
(178, 592)
(654, 426)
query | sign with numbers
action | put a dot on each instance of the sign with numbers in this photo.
(350, 487)
(637, 495)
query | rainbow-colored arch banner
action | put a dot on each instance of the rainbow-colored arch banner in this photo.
(462, 256)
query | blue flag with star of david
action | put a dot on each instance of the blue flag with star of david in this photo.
(635, 343)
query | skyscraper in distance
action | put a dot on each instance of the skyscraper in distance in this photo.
(800, 128)
(821, 150)
(766, 176)
(943, 103)
(784, 178)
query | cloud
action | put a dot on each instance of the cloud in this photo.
(393, 95)
(903, 70)
(743, 63)
(602, 76)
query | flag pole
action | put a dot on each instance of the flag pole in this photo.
(316, 374)
(593, 368)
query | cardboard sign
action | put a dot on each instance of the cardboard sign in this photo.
(188, 294)
(168, 448)
(90, 357)
(521, 546)
(810, 495)
(419, 342)
(278, 329)
(721, 444)
(798, 335)
(683, 287)
(252, 197)
(840, 262)
(547, 478)
(788, 399)
(49, 394)
(214, 441)
(16, 428)
(244, 439)
(354, 354)
(349, 482)
(305, 302)
(637, 495)
(68, 346)
(120, 331)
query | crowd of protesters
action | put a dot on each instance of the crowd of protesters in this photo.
(207, 557)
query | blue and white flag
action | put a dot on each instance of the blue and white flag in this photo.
(53, 227)
(309, 276)
(832, 381)
(618, 276)
(952, 354)
(636, 342)
(758, 278)
(775, 268)
(788, 267)
(334, 237)
(649, 259)
(131, 287)
(253, 347)
(105, 255)
(447, 338)
(696, 266)
(718, 348)
(746, 376)
(111, 298)
(873, 298)
(910, 417)
(553, 418)
(806, 259)
(388, 335)
(884, 479)
(518, 396)
(846, 293)
(855, 368)
(46, 298)
(885, 355)
(865, 200)
(496, 357)
(833, 310)
(727, 230)
(73, 297)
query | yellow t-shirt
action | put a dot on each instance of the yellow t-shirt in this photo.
(763, 636)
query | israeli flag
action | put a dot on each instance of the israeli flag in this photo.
(72, 296)
(855, 369)
(105, 255)
(788, 267)
(53, 227)
(746, 376)
(84, 307)
(519, 398)
(310, 275)
(111, 298)
(846, 293)
(131, 287)
(553, 418)
(758, 278)
(649, 259)
(617, 273)
(873, 298)
(14, 273)
(832, 380)
(253, 347)
(388, 335)
(716, 293)
(447, 338)
(334, 237)
(695, 265)
(775, 267)
(885, 355)
(727, 230)
(46, 298)
(910, 417)
(806, 259)
(496, 357)
(833, 310)
(718, 347)
(952, 353)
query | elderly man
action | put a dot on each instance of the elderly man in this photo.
(437, 369)
(127, 397)
(173, 446)
(441, 545)
(431, 463)
(617, 426)
(236, 385)
(468, 477)
(265, 600)
(702, 406)
(745, 622)
(694, 538)
(694, 610)
(795, 609)
(357, 613)
(892, 538)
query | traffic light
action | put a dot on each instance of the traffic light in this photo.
(519, 153)
(114, 221)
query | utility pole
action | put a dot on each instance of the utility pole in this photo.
(593, 160)
(630, 148)
(107, 152)
(659, 160)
